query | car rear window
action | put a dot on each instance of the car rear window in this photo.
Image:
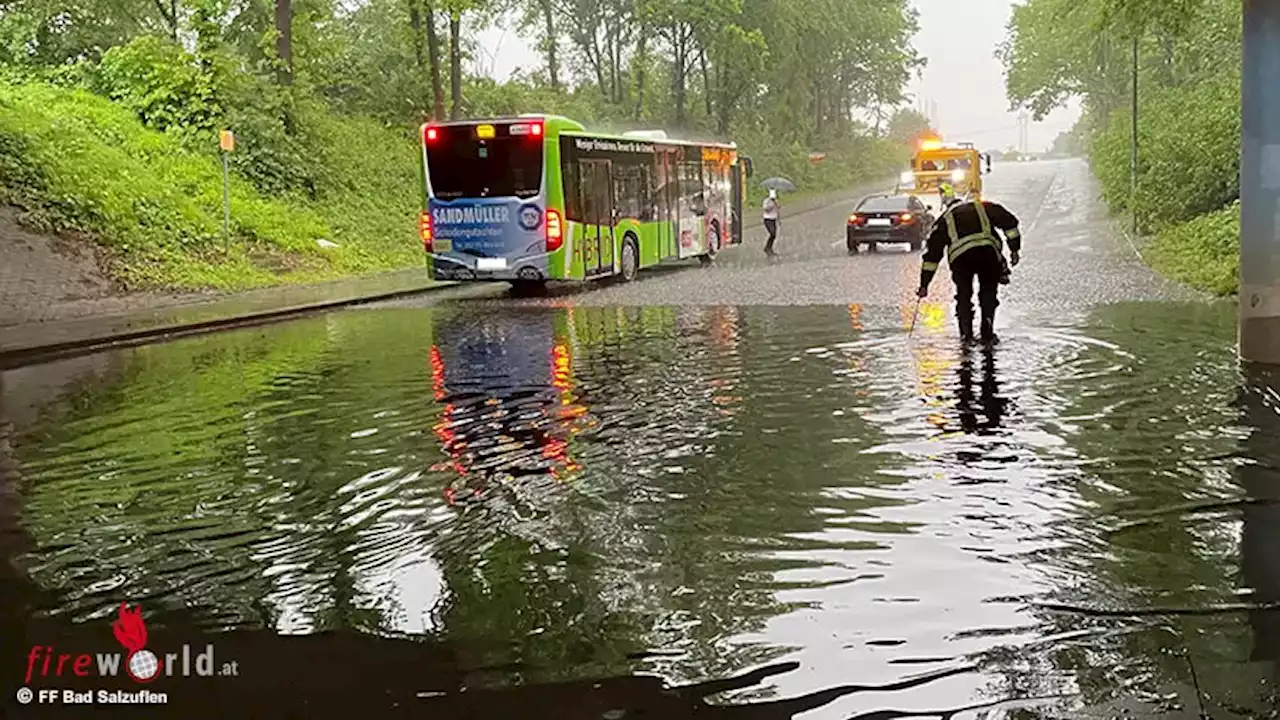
(891, 203)
(464, 166)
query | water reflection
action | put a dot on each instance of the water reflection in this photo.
(1260, 532)
(561, 495)
(984, 413)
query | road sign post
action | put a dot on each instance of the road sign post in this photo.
(227, 143)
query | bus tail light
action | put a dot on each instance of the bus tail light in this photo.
(535, 129)
(424, 229)
(430, 134)
(555, 232)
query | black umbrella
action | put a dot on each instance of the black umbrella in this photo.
(778, 183)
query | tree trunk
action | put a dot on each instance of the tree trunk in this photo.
(419, 56)
(706, 83)
(433, 58)
(618, 79)
(284, 41)
(415, 22)
(610, 37)
(678, 73)
(455, 64)
(596, 58)
(548, 17)
(642, 62)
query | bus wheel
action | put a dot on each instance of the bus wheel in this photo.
(713, 243)
(629, 262)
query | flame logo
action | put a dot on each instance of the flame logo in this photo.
(141, 664)
(129, 628)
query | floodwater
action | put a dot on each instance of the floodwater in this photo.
(1086, 514)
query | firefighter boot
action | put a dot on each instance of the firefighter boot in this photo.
(989, 329)
(965, 319)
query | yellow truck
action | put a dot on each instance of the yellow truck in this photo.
(936, 163)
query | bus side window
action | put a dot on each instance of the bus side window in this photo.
(630, 188)
(572, 180)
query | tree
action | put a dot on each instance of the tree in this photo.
(906, 126)
(284, 40)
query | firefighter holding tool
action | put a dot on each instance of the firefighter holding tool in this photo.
(966, 233)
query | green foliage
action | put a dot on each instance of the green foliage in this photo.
(907, 126)
(1203, 253)
(160, 82)
(326, 147)
(1188, 117)
(1189, 162)
(78, 162)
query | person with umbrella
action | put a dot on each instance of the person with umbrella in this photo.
(771, 210)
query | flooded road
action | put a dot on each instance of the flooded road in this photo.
(784, 510)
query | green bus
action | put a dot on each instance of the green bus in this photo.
(535, 198)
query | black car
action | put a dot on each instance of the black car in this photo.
(888, 219)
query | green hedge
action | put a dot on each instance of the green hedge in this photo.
(1204, 252)
(1189, 152)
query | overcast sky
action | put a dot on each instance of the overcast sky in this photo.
(967, 85)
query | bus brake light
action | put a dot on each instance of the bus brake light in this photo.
(536, 129)
(424, 229)
(555, 233)
(432, 134)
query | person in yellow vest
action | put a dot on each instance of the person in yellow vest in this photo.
(966, 234)
(948, 195)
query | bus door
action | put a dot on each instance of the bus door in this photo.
(597, 195)
(692, 208)
(735, 202)
(668, 204)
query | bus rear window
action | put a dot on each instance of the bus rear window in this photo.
(464, 166)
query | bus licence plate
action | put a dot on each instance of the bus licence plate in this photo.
(491, 263)
(879, 221)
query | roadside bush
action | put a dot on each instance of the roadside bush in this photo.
(161, 82)
(1204, 252)
(1189, 152)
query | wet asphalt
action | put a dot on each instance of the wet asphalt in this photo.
(1074, 258)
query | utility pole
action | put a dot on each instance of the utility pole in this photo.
(1133, 146)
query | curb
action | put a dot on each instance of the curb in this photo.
(77, 342)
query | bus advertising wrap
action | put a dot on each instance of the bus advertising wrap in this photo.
(488, 238)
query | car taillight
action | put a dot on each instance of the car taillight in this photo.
(555, 233)
(424, 229)
(854, 219)
(906, 217)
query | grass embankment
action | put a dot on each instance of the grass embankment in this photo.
(1188, 184)
(1203, 253)
(78, 162)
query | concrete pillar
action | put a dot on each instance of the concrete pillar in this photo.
(1260, 184)
(1260, 536)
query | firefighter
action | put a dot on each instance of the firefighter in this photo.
(966, 232)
